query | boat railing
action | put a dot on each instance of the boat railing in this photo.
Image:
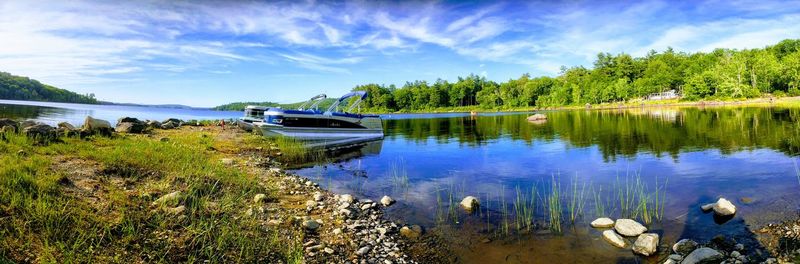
(314, 101)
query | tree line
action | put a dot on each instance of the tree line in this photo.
(23, 88)
(720, 74)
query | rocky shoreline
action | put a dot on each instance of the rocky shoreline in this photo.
(335, 228)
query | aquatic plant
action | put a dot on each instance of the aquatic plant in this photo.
(577, 199)
(554, 206)
(399, 175)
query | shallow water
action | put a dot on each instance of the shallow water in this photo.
(692, 156)
(429, 162)
(53, 113)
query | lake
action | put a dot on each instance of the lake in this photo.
(675, 160)
(53, 113)
(541, 184)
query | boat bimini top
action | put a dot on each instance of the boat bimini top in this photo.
(360, 95)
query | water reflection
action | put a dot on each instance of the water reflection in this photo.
(621, 132)
(702, 154)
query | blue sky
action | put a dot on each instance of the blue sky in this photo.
(206, 53)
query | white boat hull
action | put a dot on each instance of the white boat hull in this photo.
(320, 134)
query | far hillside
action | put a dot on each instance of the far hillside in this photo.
(14, 87)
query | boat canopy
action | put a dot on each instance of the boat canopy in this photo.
(314, 101)
(361, 95)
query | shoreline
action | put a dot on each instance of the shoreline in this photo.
(760, 101)
(289, 217)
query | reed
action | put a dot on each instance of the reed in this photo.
(399, 176)
(599, 203)
(577, 199)
(554, 206)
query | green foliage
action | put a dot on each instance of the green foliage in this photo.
(22, 88)
(723, 73)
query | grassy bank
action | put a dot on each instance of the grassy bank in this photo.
(98, 200)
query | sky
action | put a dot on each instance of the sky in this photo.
(207, 53)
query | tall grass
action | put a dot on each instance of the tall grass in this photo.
(45, 211)
(576, 199)
(554, 206)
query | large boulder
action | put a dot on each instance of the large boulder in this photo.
(66, 126)
(470, 203)
(40, 132)
(603, 222)
(171, 123)
(703, 255)
(5, 122)
(724, 207)
(537, 117)
(131, 127)
(684, 246)
(628, 227)
(614, 239)
(646, 244)
(97, 126)
(153, 124)
(27, 123)
(128, 120)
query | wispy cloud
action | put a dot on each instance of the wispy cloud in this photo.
(73, 43)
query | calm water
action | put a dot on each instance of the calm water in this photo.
(747, 155)
(53, 113)
(428, 162)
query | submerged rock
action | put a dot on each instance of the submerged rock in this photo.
(724, 207)
(684, 246)
(628, 227)
(614, 239)
(646, 244)
(603, 222)
(537, 117)
(412, 232)
(470, 203)
(387, 201)
(703, 255)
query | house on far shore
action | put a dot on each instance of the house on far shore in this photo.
(671, 94)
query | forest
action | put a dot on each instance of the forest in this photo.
(720, 74)
(22, 88)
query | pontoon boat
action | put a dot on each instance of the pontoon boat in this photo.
(330, 127)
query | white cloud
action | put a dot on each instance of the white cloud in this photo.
(314, 62)
(77, 42)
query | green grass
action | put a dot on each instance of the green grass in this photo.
(46, 212)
